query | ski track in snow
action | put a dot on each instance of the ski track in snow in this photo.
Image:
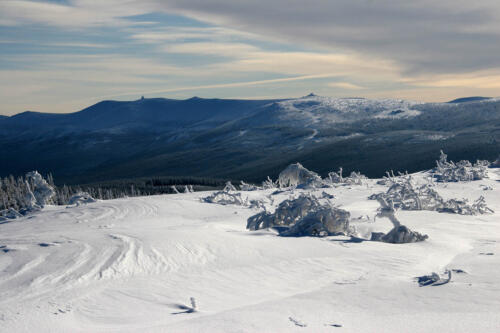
(129, 265)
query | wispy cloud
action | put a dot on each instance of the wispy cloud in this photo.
(345, 85)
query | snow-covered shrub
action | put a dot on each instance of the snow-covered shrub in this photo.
(461, 171)
(41, 190)
(248, 187)
(225, 198)
(261, 202)
(303, 216)
(462, 207)
(188, 189)
(296, 175)
(434, 279)
(10, 213)
(399, 234)
(496, 164)
(174, 188)
(269, 184)
(404, 194)
(287, 213)
(229, 187)
(355, 178)
(402, 235)
(321, 222)
(30, 200)
(80, 199)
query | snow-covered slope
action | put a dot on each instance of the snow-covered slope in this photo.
(132, 265)
(327, 110)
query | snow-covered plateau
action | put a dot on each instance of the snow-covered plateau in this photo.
(175, 263)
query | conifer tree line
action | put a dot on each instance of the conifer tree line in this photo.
(14, 190)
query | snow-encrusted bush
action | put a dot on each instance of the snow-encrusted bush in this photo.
(463, 207)
(269, 184)
(81, 198)
(303, 216)
(461, 171)
(225, 198)
(404, 194)
(287, 213)
(248, 187)
(10, 213)
(321, 222)
(41, 190)
(496, 164)
(399, 234)
(229, 187)
(296, 175)
(355, 178)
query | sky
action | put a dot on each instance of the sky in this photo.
(64, 55)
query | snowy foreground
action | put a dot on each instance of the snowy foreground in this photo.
(133, 265)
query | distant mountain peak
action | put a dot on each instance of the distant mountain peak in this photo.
(469, 99)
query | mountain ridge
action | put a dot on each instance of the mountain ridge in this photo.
(245, 139)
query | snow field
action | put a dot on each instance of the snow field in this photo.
(131, 265)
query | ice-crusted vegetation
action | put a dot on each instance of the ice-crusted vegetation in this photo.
(406, 194)
(448, 171)
(306, 214)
